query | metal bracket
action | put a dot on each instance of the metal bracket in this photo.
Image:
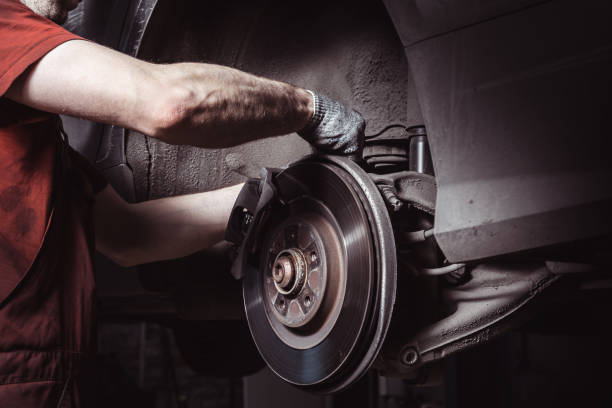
(418, 189)
(247, 216)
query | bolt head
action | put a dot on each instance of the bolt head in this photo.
(283, 271)
(278, 273)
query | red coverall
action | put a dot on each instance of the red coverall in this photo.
(47, 321)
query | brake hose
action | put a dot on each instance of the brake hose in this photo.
(420, 236)
(442, 270)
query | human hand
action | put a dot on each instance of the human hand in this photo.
(334, 128)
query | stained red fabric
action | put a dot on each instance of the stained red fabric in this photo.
(26, 143)
(47, 321)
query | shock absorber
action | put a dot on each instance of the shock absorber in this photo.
(419, 156)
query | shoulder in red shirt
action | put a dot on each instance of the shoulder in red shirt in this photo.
(27, 143)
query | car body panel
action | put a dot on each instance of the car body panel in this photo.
(515, 100)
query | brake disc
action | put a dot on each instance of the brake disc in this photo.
(320, 285)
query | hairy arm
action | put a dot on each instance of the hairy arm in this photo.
(186, 103)
(161, 229)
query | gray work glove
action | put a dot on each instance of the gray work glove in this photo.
(334, 128)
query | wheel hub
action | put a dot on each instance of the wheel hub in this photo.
(302, 299)
(298, 277)
(289, 271)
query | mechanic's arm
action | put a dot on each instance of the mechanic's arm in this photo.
(167, 228)
(186, 103)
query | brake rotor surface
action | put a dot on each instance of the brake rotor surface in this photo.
(319, 292)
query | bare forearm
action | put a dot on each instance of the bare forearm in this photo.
(166, 228)
(225, 107)
(186, 103)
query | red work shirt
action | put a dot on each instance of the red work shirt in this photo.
(27, 143)
(47, 308)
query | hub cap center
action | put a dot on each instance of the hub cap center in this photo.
(289, 271)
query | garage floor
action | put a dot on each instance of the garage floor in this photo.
(140, 366)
